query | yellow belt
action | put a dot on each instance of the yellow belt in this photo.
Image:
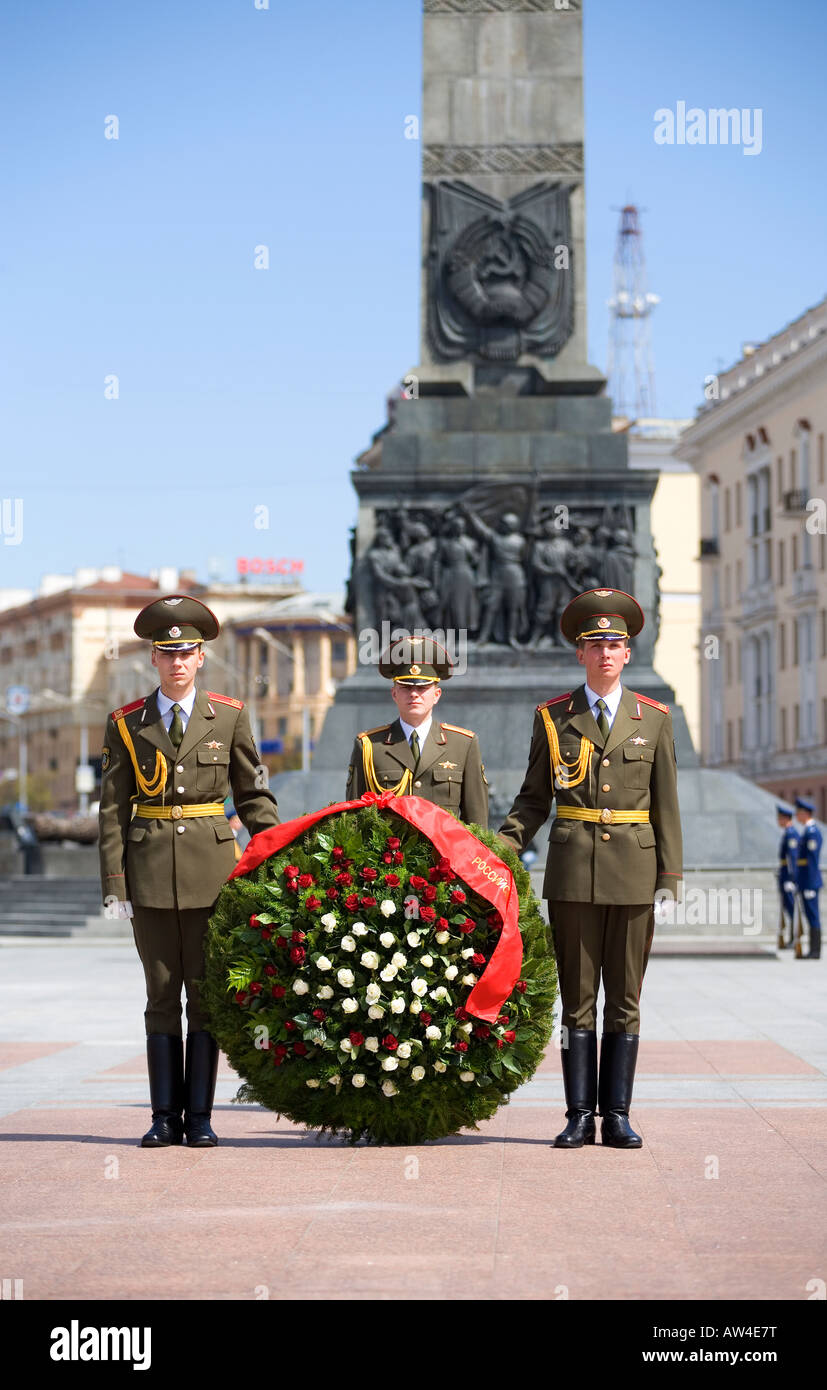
(604, 817)
(207, 808)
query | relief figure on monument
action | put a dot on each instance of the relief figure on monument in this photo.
(456, 576)
(552, 564)
(504, 597)
(394, 592)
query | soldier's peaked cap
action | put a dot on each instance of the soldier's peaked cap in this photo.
(599, 613)
(804, 805)
(415, 661)
(177, 623)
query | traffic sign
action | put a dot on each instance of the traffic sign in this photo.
(17, 699)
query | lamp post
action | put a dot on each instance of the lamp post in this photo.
(280, 646)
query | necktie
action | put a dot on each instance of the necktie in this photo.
(415, 747)
(176, 728)
(602, 721)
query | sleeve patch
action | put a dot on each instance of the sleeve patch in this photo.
(105, 759)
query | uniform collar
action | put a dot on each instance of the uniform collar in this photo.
(165, 704)
(422, 730)
(612, 700)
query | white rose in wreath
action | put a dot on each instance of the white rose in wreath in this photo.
(442, 937)
(403, 1050)
(312, 1083)
(397, 1005)
(349, 1006)
(373, 993)
(419, 986)
(324, 993)
(451, 972)
(328, 921)
(389, 1089)
(399, 960)
(369, 960)
(466, 1076)
(415, 1006)
(389, 1064)
(345, 978)
(372, 1044)
(387, 908)
(324, 964)
(412, 938)
(348, 943)
(389, 973)
(417, 1073)
(358, 1080)
(427, 961)
(387, 939)
(433, 1032)
(300, 987)
(440, 1066)
(375, 1011)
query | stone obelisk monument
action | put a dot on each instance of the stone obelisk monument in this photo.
(497, 488)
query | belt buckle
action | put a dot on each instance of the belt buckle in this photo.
(176, 812)
(606, 816)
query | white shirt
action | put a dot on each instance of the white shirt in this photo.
(165, 706)
(612, 702)
(422, 730)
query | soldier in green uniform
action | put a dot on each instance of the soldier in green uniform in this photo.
(417, 755)
(166, 847)
(607, 755)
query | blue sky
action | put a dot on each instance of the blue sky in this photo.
(285, 127)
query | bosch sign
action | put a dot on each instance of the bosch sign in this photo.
(255, 565)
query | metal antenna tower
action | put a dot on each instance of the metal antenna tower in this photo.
(630, 371)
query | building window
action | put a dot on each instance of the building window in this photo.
(282, 724)
(783, 732)
(737, 504)
(727, 663)
(727, 594)
(729, 741)
(795, 641)
(794, 561)
(780, 564)
(738, 580)
(727, 512)
(824, 721)
(779, 479)
(822, 551)
(821, 458)
(796, 724)
(782, 646)
(792, 470)
(740, 737)
(339, 652)
(823, 633)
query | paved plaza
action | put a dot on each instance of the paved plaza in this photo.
(725, 1201)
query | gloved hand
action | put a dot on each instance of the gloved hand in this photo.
(125, 909)
(663, 910)
(809, 892)
(789, 886)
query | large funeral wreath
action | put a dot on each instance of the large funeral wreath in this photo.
(337, 974)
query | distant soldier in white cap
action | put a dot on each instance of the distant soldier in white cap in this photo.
(169, 761)
(417, 755)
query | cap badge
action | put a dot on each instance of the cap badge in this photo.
(416, 670)
(172, 602)
(603, 593)
(604, 622)
(175, 631)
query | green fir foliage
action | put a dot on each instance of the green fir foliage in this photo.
(353, 894)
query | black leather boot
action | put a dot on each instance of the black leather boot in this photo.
(199, 1089)
(618, 1058)
(580, 1081)
(165, 1062)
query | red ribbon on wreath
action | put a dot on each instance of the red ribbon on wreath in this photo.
(470, 860)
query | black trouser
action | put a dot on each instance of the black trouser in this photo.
(591, 940)
(170, 943)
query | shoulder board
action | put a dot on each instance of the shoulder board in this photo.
(127, 709)
(380, 729)
(656, 704)
(455, 729)
(225, 699)
(555, 701)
